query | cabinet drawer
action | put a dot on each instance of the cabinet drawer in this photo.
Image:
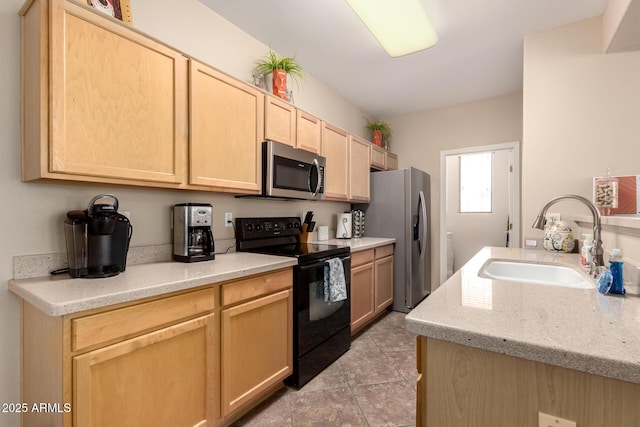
(242, 290)
(361, 257)
(384, 251)
(128, 321)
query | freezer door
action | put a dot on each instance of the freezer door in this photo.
(419, 285)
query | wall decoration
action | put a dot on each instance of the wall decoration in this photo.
(119, 9)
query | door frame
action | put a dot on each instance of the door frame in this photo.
(514, 194)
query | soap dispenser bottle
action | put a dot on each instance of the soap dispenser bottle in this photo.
(616, 267)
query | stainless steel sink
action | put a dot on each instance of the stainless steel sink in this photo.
(535, 273)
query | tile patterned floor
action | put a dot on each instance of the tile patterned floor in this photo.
(373, 384)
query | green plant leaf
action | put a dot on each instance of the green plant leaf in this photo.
(271, 62)
(380, 125)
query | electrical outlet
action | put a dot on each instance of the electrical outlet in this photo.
(546, 420)
(228, 219)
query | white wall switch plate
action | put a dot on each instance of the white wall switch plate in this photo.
(552, 216)
(546, 420)
(228, 219)
(531, 242)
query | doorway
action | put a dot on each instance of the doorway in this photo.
(465, 230)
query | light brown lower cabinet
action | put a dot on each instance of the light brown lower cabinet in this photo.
(195, 358)
(256, 350)
(465, 386)
(159, 378)
(383, 268)
(361, 295)
(371, 285)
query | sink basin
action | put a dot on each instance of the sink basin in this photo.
(535, 273)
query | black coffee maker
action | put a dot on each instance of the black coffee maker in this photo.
(97, 239)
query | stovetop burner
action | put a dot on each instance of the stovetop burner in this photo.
(279, 236)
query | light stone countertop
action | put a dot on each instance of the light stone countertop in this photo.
(360, 243)
(60, 295)
(578, 329)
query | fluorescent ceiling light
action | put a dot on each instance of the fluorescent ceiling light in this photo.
(401, 27)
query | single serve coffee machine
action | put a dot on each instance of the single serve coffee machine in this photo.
(192, 236)
(97, 239)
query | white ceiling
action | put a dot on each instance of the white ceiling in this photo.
(478, 55)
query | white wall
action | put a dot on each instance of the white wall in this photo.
(423, 135)
(191, 27)
(580, 116)
(32, 213)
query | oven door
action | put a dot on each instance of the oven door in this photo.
(318, 320)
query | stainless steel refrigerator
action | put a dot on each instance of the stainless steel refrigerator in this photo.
(399, 208)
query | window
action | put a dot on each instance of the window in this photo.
(475, 182)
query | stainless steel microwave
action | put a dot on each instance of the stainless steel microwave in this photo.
(291, 173)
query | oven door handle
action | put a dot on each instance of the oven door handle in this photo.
(319, 264)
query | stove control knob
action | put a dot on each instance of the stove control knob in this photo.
(296, 225)
(258, 227)
(289, 225)
(249, 227)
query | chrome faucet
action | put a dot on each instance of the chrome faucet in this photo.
(597, 259)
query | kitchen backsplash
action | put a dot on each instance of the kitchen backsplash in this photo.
(26, 266)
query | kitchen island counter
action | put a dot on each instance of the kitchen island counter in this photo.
(61, 295)
(578, 329)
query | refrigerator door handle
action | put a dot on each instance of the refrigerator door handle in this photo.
(423, 219)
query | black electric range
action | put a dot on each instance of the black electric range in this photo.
(280, 236)
(321, 330)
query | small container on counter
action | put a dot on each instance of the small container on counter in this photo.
(323, 232)
(616, 265)
(585, 252)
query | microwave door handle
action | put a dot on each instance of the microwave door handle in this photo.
(316, 166)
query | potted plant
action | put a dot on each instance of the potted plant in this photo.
(279, 67)
(380, 132)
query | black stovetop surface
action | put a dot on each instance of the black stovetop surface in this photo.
(281, 236)
(303, 249)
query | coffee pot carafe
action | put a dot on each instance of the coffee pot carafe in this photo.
(97, 239)
(192, 235)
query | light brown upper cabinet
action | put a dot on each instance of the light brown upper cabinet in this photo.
(226, 131)
(309, 132)
(359, 155)
(382, 159)
(100, 102)
(279, 121)
(335, 148)
(391, 161)
(378, 155)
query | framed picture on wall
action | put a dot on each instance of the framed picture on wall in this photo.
(119, 9)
